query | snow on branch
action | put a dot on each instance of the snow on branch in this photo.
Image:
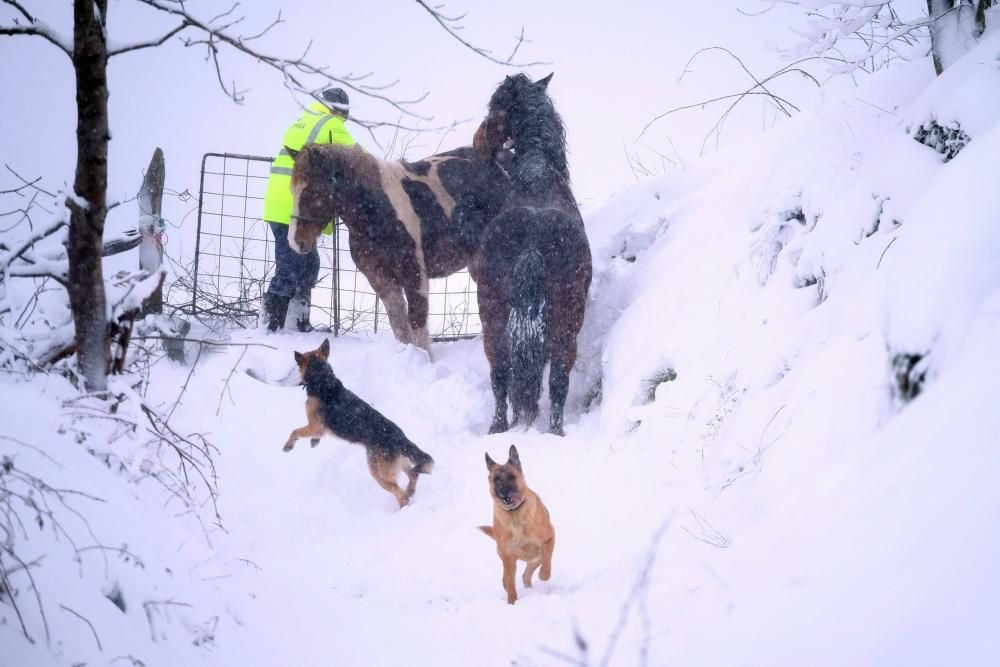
(20, 251)
(34, 26)
(868, 34)
(127, 290)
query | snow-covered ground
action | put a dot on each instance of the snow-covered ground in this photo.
(744, 481)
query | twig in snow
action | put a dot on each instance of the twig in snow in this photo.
(89, 624)
(34, 589)
(879, 265)
(13, 600)
(225, 385)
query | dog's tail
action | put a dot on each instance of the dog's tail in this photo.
(421, 460)
(489, 532)
(529, 347)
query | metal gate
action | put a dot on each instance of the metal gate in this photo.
(234, 259)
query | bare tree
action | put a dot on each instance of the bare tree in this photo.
(864, 34)
(89, 51)
(955, 26)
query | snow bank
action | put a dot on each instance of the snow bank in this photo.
(780, 450)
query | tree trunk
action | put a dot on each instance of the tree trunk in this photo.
(955, 26)
(88, 207)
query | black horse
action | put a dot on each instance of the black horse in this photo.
(533, 268)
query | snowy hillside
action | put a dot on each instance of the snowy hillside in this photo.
(781, 443)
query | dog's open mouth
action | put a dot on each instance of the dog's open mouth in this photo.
(512, 502)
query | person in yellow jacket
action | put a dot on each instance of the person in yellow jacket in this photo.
(295, 275)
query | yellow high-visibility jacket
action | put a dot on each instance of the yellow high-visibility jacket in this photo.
(316, 125)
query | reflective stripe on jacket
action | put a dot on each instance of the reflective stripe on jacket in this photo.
(316, 125)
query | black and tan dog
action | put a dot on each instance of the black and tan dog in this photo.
(332, 408)
(521, 525)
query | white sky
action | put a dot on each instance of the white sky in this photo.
(615, 68)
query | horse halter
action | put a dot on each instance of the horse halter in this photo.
(305, 219)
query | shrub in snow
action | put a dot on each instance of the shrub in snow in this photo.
(655, 380)
(948, 139)
(776, 229)
(910, 372)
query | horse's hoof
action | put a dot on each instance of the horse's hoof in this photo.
(498, 428)
(313, 442)
(287, 447)
(557, 429)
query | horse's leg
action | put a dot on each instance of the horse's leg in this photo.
(563, 356)
(493, 311)
(418, 307)
(565, 321)
(395, 307)
(388, 291)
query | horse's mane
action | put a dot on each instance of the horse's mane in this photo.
(533, 121)
(327, 161)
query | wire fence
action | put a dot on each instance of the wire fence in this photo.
(234, 260)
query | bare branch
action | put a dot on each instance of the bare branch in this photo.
(706, 102)
(87, 621)
(757, 82)
(52, 228)
(873, 23)
(18, 7)
(13, 602)
(225, 13)
(18, 189)
(34, 588)
(452, 25)
(760, 13)
(293, 71)
(27, 182)
(225, 385)
(36, 28)
(759, 88)
(150, 44)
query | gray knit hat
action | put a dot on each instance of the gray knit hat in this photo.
(336, 99)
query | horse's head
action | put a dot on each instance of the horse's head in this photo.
(489, 138)
(314, 183)
(510, 107)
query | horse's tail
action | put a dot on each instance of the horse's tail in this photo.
(529, 346)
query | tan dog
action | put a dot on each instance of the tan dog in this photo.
(521, 525)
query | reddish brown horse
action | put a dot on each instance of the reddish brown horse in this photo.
(407, 221)
(533, 269)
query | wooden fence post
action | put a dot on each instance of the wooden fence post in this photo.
(151, 226)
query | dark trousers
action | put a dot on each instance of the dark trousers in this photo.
(292, 272)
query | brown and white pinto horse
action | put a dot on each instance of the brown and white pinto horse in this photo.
(407, 222)
(533, 269)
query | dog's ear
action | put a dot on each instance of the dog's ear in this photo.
(295, 153)
(513, 459)
(324, 349)
(298, 357)
(544, 83)
(490, 463)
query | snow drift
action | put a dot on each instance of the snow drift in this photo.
(781, 441)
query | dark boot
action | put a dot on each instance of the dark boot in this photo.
(303, 303)
(275, 311)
